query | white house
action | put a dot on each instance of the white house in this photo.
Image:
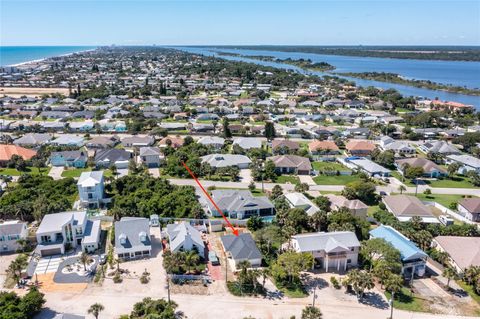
(91, 189)
(57, 231)
(467, 163)
(298, 200)
(10, 232)
(132, 238)
(150, 156)
(184, 236)
(335, 251)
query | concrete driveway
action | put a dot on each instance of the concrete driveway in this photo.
(56, 172)
(246, 176)
(122, 172)
(48, 264)
(307, 179)
(155, 172)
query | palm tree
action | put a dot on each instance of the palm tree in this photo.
(471, 274)
(84, 259)
(449, 273)
(394, 284)
(191, 259)
(17, 266)
(402, 188)
(95, 309)
(114, 171)
(265, 272)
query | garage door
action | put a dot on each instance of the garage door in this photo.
(51, 252)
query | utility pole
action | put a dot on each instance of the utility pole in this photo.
(226, 268)
(391, 304)
(314, 295)
(168, 288)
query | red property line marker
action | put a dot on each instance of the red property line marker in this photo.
(235, 231)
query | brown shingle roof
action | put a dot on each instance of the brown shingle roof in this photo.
(360, 145)
(407, 206)
(471, 204)
(427, 165)
(291, 145)
(301, 163)
(322, 145)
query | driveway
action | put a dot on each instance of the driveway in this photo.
(48, 264)
(73, 277)
(246, 175)
(122, 172)
(155, 172)
(56, 172)
(307, 179)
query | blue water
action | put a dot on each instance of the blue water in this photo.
(448, 72)
(10, 55)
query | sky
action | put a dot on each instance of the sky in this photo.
(249, 22)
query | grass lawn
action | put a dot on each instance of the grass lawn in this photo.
(330, 166)
(456, 182)
(30, 170)
(256, 192)
(442, 199)
(469, 289)
(334, 180)
(405, 300)
(284, 179)
(407, 182)
(75, 172)
(372, 209)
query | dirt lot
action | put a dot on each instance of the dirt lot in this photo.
(29, 91)
(5, 261)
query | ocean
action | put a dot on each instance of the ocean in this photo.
(11, 55)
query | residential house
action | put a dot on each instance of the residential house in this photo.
(335, 251)
(184, 237)
(226, 160)
(430, 169)
(298, 200)
(467, 163)
(102, 142)
(398, 147)
(463, 252)
(470, 208)
(107, 158)
(150, 156)
(284, 146)
(138, 141)
(357, 132)
(172, 141)
(404, 207)
(76, 159)
(360, 147)
(413, 259)
(248, 143)
(440, 147)
(213, 141)
(59, 231)
(7, 151)
(241, 248)
(132, 238)
(323, 148)
(355, 206)
(68, 140)
(33, 140)
(91, 189)
(369, 167)
(291, 164)
(240, 204)
(10, 232)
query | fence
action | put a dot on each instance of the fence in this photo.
(449, 212)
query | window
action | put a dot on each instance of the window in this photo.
(349, 261)
(2, 238)
(46, 239)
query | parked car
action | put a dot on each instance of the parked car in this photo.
(102, 260)
(212, 256)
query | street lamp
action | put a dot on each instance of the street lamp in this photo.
(314, 295)
(391, 304)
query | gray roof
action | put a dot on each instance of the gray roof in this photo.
(92, 231)
(329, 242)
(131, 228)
(149, 151)
(440, 147)
(143, 140)
(54, 222)
(33, 139)
(90, 179)
(369, 166)
(12, 227)
(183, 235)
(406, 206)
(68, 316)
(248, 142)
(112, 155)
(230, 200)
(225, 160)
(211, 140)
(466, 160)
(241, 247)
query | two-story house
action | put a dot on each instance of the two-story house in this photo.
(91, 189)
(240, 204)
(10, 232)
(333, 251)
(150, 156)
(132, 238)
(58, 232)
